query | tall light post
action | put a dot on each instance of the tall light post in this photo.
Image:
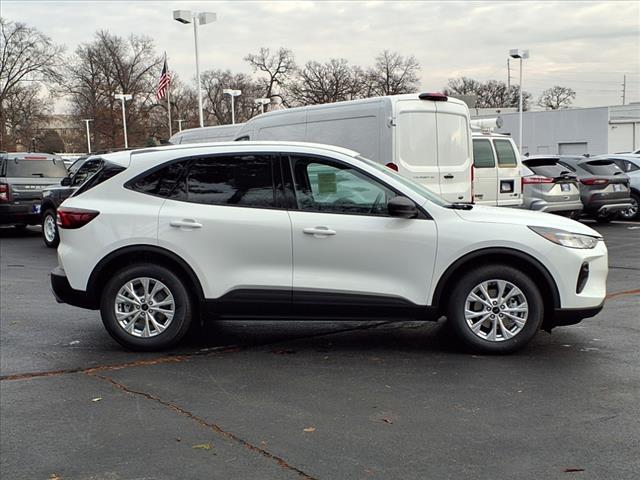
(124, 97)
(262, 102)
(232, 93)
(521, 55)
(202, 18)
(86, 121)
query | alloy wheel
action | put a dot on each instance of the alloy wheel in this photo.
(49, 228)
(496, 310)
(144, 307)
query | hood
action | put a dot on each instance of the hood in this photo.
(516, 216)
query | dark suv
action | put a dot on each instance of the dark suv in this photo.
(23, 176)
(604, 188)
(79, 171)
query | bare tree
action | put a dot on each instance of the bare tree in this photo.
(333, 81)
(25, 53)
(106, 66)
(393, 74)
(24, 111)
(277, 67)
(489, 94)
(557, 97)
(217, 106)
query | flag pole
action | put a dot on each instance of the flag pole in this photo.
(168, 96)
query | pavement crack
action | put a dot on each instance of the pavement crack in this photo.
(212, 426)
(177, 358)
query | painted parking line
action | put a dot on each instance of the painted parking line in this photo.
(623, 294)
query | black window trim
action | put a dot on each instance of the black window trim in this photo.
(422, 213)
(190, 159)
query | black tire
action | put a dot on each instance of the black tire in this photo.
(604, 218)
(456, 309)
(626, 214)
(51, 243)
(183, 312)
(575, 215)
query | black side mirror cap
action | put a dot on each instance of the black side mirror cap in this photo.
(402, 207)
(66, 181)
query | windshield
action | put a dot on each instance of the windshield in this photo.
(416, 187)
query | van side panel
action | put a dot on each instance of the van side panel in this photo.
(351, 126)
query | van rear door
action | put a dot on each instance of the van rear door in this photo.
(509, 173)
(485, 178)
(416, 142)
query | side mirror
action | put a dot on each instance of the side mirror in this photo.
(66, 181)
(402, 207)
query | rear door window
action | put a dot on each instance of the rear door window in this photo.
(239, 180)
(483, 154)
(166, 181)
(506, 154)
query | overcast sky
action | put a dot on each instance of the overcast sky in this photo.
(587, 46)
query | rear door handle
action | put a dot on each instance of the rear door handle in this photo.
(319, 231)
(185, 223)
(448, 176)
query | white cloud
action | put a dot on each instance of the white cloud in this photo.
(585, 45)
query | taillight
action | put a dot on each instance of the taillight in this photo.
(536, 179)
(594, 181)
(5, 192)
(74, 217)
(392, 166)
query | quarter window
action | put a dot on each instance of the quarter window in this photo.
(85, 171)
(245, 181)
(506, 155)
(483, 154)
(331, 187)
(167, 181)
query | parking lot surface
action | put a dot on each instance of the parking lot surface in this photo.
(315, 400)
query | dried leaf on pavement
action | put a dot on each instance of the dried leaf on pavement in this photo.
(203, 446)
(310, 429)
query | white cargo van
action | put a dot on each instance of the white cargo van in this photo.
(217, 133)
(497, 170)
(425, 137)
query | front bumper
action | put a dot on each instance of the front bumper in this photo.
(63, 292)
(570, 316)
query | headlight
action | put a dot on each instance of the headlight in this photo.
(566, 239)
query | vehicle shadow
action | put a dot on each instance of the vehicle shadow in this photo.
(13, 232)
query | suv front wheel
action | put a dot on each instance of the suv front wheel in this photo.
(495, 309)
(146, 307)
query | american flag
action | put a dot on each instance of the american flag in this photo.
(165, 81)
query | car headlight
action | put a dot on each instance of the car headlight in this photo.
(566, 239)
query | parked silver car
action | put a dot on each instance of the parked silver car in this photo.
(630, 165)
(548, 186)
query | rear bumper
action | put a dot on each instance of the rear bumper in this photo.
(613, 205)
(11, 214)
(63, 292)
(551, 207)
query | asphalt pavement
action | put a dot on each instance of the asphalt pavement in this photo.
(314, 400)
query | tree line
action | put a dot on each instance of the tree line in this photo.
(35, 73)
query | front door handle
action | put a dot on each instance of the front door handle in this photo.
(448, 176)
(319, 231)
(185, 223)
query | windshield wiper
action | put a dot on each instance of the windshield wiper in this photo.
(459, 206)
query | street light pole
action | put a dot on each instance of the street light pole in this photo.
(521, 55)
(202, 18)
(124, 97)
(86, 121)
(232, 93)
(262, 102)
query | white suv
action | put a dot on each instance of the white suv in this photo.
(161, 237)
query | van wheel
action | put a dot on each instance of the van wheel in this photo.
(50, 233)
(495, 309)
(146, 307)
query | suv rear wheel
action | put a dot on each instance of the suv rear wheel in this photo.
(633, 212)
(50, 233)
(495, 309)
(146, 307)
